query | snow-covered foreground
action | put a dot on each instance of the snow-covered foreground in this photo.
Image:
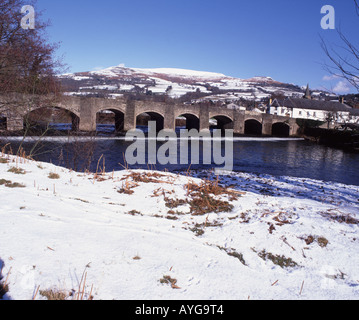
(138, 235)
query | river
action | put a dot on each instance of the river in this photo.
(274, 156)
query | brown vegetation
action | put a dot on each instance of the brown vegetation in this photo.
(169, 280)
(10, 184)
(53, 176)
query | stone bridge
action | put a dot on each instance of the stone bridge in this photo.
(84, 110)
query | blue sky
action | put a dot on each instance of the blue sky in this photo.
(240, 38)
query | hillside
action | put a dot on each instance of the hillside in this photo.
(187, 85)
(83, 236)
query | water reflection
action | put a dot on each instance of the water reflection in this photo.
(275, 157)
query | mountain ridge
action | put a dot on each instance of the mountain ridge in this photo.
(117, 81)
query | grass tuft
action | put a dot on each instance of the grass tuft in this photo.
(16, 170)
(53, 176)
(278, 260)
(127, 187)
(205, 197)
(322, 242)
(336, 215)
(134, 213)
(233, 253)
(145, 177)
(169, 280)
(10, 184)
(54, 295)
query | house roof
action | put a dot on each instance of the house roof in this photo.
(296, 103)
(354, 112)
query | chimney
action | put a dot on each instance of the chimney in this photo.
(341, 100)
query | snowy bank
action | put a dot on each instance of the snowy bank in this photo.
(144, 235)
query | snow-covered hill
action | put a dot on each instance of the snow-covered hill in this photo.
(115, 81)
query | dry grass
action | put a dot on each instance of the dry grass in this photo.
(127, 187)
(214, 188)
(79, 294)
(16, 170)
(55, 295)
(174, 203)
(199, 228)
(20, 155)
(54, 176)
(10, 184)
(146, 177)
(134, 213)
(100, 174)
(204, 197)
(233, 253)
(282, 218)
(171, 217)
(339, 216)
(169, 280)
(322, 242)
(203, 204)
(281, 261)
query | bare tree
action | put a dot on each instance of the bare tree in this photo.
(345, 62)
(28, 66)
(330, 118)
(27, 62)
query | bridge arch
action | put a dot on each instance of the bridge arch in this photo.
(281, 129)
(51, 117)
(143, 118)
(110, 120)
(253, 127)
(188, 120)
(221, 122)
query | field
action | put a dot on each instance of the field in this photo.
(151, 235)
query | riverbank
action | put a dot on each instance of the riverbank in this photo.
(342, 139)
(140, 234)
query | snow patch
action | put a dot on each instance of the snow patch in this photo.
(285, 238)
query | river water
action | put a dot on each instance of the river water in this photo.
(274, 156)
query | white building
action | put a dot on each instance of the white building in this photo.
(333, 112)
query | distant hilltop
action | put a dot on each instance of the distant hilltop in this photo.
(187, 85)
